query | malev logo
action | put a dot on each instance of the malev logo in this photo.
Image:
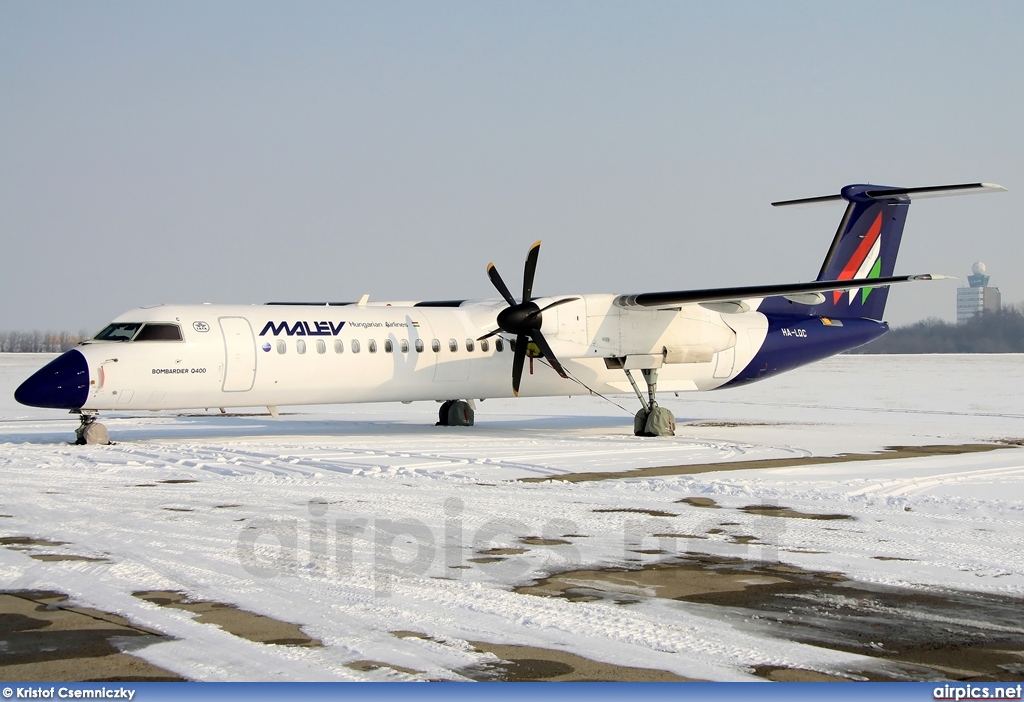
(866, 262)
(302, 328)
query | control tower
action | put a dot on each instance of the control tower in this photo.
(978, 298)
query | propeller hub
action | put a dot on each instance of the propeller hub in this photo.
(523, 318)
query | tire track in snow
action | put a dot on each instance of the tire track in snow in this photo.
(872, 410)
(918, 484)
(300, 461)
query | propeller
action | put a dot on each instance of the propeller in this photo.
(524, 319)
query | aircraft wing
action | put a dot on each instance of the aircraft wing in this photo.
(803, 293)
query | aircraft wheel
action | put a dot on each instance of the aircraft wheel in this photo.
(460, 414)
(660, 422)
(442, 413)
(640, 423)
(92, 433)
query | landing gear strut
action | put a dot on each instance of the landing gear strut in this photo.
(90, 431)
(651, 420)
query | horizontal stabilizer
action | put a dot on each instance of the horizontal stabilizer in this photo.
(790, 290)
(901, 193)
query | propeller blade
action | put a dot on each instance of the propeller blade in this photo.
(542, 344)
(488, 335)
(529, 271)
(517, 363)
(497, 282)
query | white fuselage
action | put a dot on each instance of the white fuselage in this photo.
(276, 355)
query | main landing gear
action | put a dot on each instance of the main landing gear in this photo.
(455, 413)
(90, 431)
(651, 420)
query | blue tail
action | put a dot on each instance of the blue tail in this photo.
(865, 246)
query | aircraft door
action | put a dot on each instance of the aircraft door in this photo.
(240, 354)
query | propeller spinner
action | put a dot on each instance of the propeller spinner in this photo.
(524, 319)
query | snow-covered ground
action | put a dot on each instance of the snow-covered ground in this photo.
(360, 521)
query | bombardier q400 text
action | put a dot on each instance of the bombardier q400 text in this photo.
(193, 356)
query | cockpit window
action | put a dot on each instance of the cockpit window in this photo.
(137, 331)
(118, 332)
(152, 331)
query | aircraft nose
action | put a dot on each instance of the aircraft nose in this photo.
(63, 383)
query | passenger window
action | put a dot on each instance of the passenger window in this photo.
(300, 346)
(159, 332)
(355, 345)
(281, 346)
(339, 346)
(388, 346)
(499, 345)
(436, 345)
(371, 346)
(118, 332)
(419, 345)
(321, 347)
(469, 344)
(453, 345)
(485, 346)
(512, 344)
(404, 346)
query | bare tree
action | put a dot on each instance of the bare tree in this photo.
(39, 342)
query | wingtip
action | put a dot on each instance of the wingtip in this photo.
(933, 276)
(536, 245)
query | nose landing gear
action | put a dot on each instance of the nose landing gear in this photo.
(90, 431)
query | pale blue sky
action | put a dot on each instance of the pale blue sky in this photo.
(245, 151)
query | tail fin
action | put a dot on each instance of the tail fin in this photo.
(867, 242)
(865, 246)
